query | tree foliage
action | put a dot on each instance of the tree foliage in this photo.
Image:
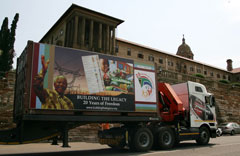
(7, 39)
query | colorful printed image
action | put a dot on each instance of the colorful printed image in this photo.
(199, 109)
(73, 79)
(145, 90)
(47, 93)
(117, 76)
(145, 86)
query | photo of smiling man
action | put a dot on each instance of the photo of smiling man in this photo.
(51, 99)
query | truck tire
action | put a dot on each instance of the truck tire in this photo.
(142, 140)
(204, 136)
(166, 138)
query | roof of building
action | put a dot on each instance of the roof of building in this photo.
(74, 6)
(236, 70)
(167, 53)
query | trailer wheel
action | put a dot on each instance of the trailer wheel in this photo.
(204, 136)
(142, 140)
(166, 138)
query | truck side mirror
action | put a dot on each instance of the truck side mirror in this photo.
(207, 99)
(213, 101)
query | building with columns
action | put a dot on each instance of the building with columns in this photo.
(85, 29)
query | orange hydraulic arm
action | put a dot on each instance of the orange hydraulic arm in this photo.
(169, 103)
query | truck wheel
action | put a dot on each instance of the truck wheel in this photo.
(142, 140)
(166, 138)
(204, 136)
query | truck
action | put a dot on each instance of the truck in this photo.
(59, 88)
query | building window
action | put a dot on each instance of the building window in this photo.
(61, 32)
(151, 58)
(191, 69)
(140, 55)
(218, 75)
(178, 66)
(224, 77)
(238, 78)
(205, 72)
(199, 70)
(129, 51)
(160, 61)
(212, 74)
(116, 49)
(170, 63)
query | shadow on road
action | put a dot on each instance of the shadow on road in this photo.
(99, 152)
(110, 152)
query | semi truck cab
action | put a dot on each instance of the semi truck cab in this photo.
(199, 107)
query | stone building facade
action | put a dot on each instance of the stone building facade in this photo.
(86, 29)
(171, 62)
(81, 28)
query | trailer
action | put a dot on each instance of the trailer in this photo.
(59, 88)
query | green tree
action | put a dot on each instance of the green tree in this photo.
(7, 39)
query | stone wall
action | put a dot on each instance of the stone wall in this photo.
(6, 100)
(85, 133)
(227, 106)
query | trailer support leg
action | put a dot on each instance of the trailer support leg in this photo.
(55, 140)
(65, 137)
(20, 132)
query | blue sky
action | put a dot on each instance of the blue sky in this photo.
(211, 27)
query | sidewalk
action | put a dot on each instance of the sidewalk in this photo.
(47, 147)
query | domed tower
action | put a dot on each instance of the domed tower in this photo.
(184, 50)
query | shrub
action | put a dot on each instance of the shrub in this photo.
(236, 84)
(224, 81)
(199, 75)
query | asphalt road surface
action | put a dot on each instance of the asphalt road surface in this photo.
(221, 146)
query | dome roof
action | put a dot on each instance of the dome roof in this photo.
(184, 50)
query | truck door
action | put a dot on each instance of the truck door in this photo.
(201, 110)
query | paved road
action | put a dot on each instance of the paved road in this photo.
(221, 146)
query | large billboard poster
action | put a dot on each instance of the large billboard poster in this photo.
(68, 79)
